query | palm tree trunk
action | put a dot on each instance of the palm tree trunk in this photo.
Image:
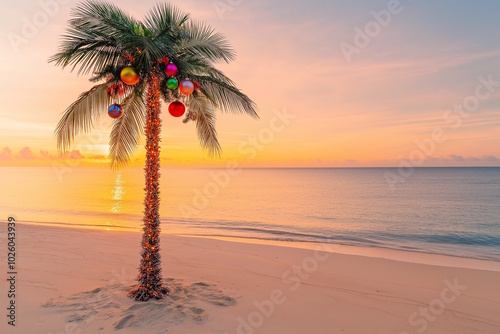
(150, 279)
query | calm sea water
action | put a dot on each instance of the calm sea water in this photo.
(453, 211)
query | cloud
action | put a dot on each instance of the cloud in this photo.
(491, 158)
(457, 158)
(74, 155)
(46, 155)
(97, 157)
(25, 153)
(6, 154)
(443, 161)
(464, 160)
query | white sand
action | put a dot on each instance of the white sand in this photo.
(75, 281)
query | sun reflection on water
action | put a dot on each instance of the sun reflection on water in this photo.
(117, 192)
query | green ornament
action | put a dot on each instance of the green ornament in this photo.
(172, 83)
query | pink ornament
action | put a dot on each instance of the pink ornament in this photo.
(171, 70)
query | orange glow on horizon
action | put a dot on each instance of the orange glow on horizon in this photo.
(371, 112)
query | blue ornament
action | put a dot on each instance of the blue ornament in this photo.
(115, 111)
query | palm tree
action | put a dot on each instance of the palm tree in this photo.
(103, 40)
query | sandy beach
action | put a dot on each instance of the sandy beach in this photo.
(76, 280)
(250, 167)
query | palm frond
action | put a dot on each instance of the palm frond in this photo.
(81, 114)
(108, 70)
(127, 130)
(98, 37)
(103, 17)
(225, 96)
(165, 20)
(200, 40)
(98, 34)
(205, 124)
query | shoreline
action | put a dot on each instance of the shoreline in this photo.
(410, 256)
(416, 257)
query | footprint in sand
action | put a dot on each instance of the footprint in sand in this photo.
(122, 323)
(186, 302)
(211, 294)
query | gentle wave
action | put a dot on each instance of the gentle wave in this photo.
(267, 232)
(451, 211)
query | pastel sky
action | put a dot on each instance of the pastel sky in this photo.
(396, 88)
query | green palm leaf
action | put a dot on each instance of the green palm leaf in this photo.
(165, 20)
(127, 130)
(205, 124)
(98, 37)
(200, 40)
(103, 39)
(98, 34)
(226, 96)
(81, 114)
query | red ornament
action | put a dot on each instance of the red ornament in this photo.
(171, 70)
(177, 108)
(197, 86)
(164, 60)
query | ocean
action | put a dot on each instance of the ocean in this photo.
(451, 211)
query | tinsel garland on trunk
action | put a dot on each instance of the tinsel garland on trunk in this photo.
(150, 278)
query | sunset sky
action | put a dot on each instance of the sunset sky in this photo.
(387, 98)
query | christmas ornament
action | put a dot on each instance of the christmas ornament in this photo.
(171, 70)
(128, 58)
(129, 76)
(187, 87)
(164, 60)
(177, 109)
(197, 86)
(172, 83)
(116, 89)
(115, 111)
